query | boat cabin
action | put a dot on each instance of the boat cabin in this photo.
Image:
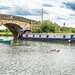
(23, 31)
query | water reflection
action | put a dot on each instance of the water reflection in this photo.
(25, 57)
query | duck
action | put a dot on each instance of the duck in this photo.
(54, 50)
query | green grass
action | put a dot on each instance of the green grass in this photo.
(6, 34)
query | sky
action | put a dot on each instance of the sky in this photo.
(57, 11)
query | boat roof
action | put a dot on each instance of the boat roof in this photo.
(23, 30)
(72, 34)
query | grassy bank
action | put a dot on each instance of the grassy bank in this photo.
(6, 34)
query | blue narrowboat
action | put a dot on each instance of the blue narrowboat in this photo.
(26, 34)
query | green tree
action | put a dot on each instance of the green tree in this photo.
(7, 30)
(45, 27)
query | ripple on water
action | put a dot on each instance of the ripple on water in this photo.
(34, 58)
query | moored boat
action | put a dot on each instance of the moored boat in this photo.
(26, 34)
(2, 40)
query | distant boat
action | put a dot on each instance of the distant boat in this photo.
(2, 40)
(26, 34)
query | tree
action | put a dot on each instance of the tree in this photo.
(7, 30)
(45, 27)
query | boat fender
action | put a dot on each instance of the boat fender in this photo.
(69, 41)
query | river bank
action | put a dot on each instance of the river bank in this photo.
(6, 34)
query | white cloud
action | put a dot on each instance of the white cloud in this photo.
(2, 27)
(53, 12)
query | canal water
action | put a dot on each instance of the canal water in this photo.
(24, 57)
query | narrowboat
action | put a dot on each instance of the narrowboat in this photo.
(26, 34)
(2, 40)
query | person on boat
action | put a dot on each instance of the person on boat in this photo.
(20, 35)
(27, 32)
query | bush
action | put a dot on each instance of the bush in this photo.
(38, 30)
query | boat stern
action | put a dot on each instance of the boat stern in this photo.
(73, 37)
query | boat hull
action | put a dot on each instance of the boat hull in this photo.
(5, 40)
(49, 37)
(46, 39)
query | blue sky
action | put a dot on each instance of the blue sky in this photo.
(59, 11)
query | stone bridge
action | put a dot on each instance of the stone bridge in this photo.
(15, 23)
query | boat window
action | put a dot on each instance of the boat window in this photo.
(33, 35)
(64, 36)
(54, 36)
(39, 35)
(47, 36)
(26, 35)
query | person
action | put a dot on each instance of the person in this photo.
(27, 32)
(20, 35)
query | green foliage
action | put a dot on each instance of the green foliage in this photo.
(48, 27)
(5, 30)
(45, 27)
(65, 29)
(6, 34)
(38, 30)
(73, 30)
(57, 31)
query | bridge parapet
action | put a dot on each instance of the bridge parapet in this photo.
(15, 18)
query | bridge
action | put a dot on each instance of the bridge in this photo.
(15, 23)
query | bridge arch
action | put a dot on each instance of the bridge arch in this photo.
(13, 28)
(15, 23)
